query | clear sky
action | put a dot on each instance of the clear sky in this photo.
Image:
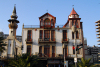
(29, 11)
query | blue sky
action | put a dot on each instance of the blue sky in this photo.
(29, 11)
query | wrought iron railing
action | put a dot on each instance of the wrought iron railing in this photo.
(47, 39)
(38, 26)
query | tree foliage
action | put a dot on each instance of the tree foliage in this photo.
(84, 63)
(24, 61)
(2, 44)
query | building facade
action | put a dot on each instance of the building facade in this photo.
(94, 52)
(47, 39)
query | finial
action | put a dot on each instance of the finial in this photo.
(14, 11)
(47, 11)
(14, 4)
(73, 6)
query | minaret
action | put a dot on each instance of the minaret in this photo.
(13, 23)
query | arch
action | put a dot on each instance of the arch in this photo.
(47, 21)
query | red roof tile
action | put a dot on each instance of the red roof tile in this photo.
(73, 12)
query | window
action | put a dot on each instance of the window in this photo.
(53, 35)
(29, 37)
(40, 51)
(72, 35)
(46, 35)
(46, 51)
(29, 49)
(41, 22)
(53, 51)
(52, 22)
(76, 23)
(47, 21)
(64, 35)
(77, 35)
(41, 34)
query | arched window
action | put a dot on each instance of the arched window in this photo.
(47, 22)
(72, 22)
(51, 22)
(41, 22)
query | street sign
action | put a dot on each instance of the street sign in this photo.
(65, 63)
(75, 59)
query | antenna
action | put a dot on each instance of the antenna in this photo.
(73, 6)
(14, 4)
(47, 11)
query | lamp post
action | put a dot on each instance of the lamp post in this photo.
(74, 30)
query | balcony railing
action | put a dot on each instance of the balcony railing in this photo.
(47, 40)
(38, 26)
(65, 40)
(29, 41)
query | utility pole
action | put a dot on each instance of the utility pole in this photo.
(74, 30)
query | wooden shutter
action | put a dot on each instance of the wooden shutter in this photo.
(72, 35)
(29, 37)
(47, 35)
(77, 35)
(41, 34)
(53, 51)
(40, 51)
(64, 35)
(29, 49)
(53, 35)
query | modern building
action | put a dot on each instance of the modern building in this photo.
(94, 52)
(13, 47)
(47, 39)
(98, 35)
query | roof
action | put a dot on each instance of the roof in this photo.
(66, 23)
(73, 12)
(46, 14)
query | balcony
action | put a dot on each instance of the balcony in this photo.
(29, 41)
(47, 40)
(65, 40)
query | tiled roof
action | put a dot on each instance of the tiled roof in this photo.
(73, 12)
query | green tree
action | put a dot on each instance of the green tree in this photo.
(24, 61)
(84, 63)
(2, 45)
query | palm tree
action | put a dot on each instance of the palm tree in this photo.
(84, 63)
(22, 61)
(2, 44)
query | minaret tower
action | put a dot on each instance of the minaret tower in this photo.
(13, 23)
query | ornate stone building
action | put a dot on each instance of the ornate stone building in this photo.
(46, 40)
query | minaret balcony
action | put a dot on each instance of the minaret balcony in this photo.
(46, 40)
(13, 26)
(29, 41)
(65, 40)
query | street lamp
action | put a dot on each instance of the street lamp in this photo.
(74, 30)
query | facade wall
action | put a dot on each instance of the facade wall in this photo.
(58, 36)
